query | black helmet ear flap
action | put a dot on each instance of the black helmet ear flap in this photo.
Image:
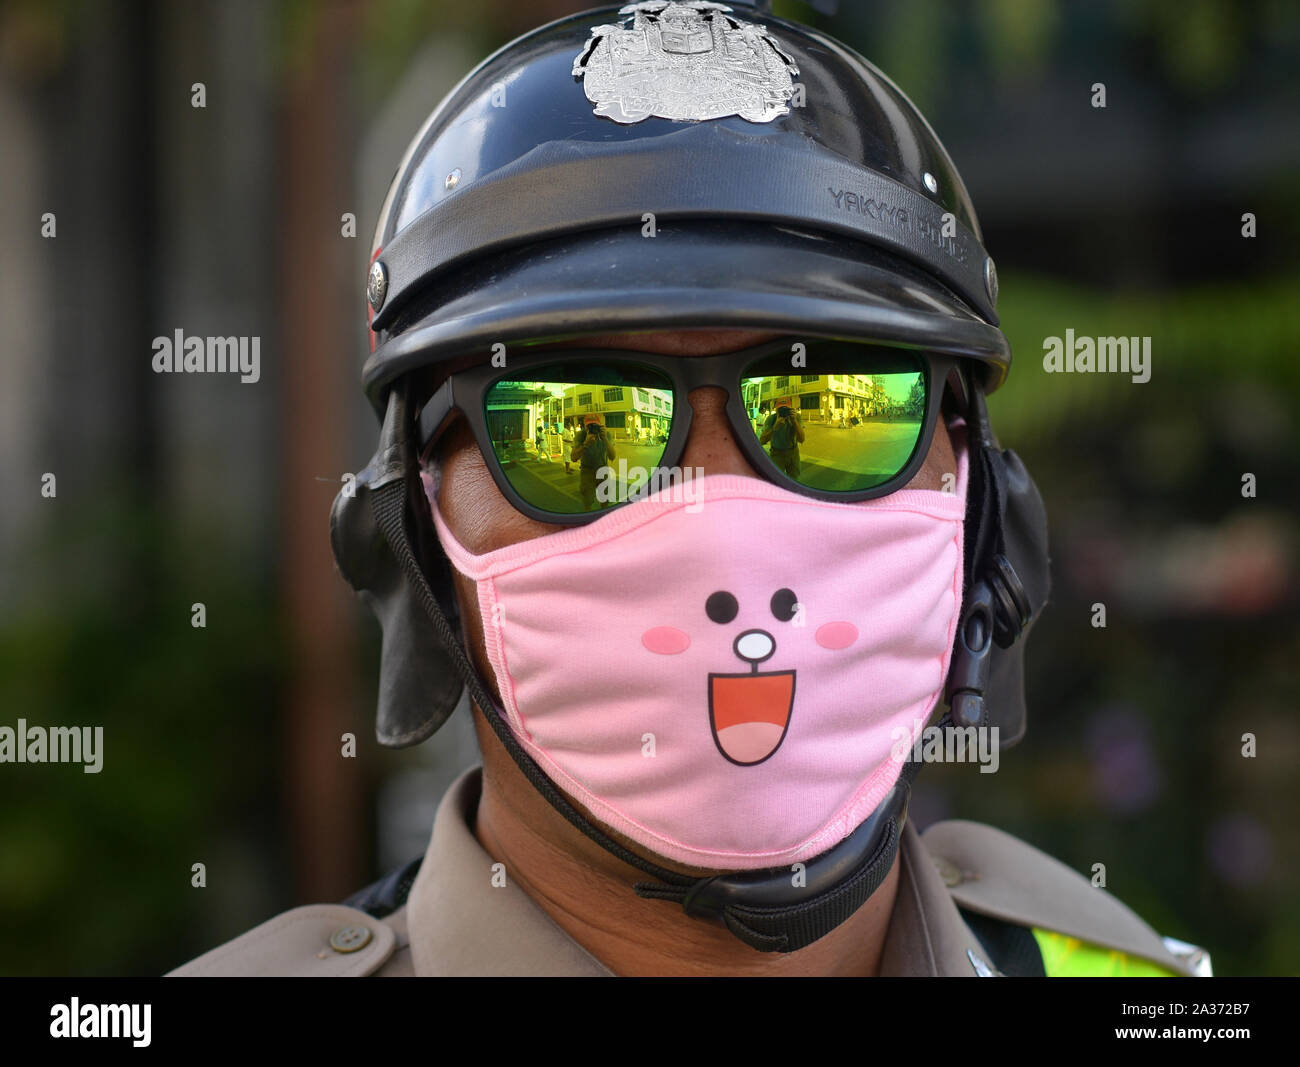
(1020, 578)
(1008, 581)
(418, 685)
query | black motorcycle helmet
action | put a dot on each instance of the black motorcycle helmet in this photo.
(659, 166)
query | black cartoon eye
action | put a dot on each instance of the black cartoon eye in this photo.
(783, 604)
(721, 606)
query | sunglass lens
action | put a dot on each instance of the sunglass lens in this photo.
(848, 420)
(575, 437)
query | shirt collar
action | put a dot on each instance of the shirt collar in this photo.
(461, 924)
(927, 936)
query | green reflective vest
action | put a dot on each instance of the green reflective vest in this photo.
(1068, 957)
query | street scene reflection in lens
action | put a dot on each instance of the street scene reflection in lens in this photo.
(553, 437)
(837, 432)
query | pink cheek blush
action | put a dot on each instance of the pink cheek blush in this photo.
(665, 640)
(836, 635)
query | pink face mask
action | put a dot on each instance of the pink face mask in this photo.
(721, 675)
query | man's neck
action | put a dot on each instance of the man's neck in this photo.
(588, 893)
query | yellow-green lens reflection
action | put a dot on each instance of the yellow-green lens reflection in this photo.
(838, 432)
(578, 439)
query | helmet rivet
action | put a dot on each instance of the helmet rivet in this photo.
(991, 280)
(930, 182)
(452, 179)
(377, 285)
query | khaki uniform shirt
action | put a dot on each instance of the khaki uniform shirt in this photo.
(453, 924)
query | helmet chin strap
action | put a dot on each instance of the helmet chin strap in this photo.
(780, 909)
(784, 909)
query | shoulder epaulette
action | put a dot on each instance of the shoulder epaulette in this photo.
(995, 875)
(315, 941)
(365, 935)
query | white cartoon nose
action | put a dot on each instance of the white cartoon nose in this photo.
(754, 646)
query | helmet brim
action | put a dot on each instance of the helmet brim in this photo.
(701, 275)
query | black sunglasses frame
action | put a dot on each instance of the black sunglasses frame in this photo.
(465, 391)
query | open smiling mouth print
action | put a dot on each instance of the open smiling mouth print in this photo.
(749, 713)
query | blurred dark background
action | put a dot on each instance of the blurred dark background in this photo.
(222, 743)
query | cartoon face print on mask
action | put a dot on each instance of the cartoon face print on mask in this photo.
(721, 675)
(749, 710)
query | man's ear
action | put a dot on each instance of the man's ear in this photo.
(430, 466)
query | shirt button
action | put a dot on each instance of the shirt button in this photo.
(349, 938)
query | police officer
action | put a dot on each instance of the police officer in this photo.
(701, 709)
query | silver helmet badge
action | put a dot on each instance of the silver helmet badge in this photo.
(685, 61)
